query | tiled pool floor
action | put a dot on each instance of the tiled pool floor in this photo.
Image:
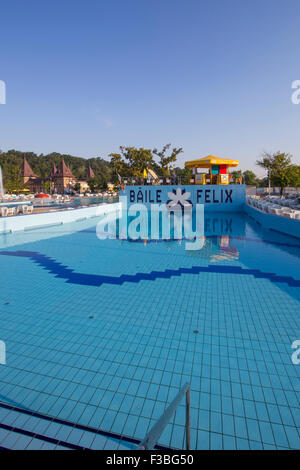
(111, 356)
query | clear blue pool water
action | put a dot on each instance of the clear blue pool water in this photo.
(101, 334)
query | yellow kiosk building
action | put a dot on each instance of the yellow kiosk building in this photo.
(217, 170)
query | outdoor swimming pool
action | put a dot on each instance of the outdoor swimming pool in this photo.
(101, 334)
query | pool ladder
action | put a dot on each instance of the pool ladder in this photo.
(152, 437)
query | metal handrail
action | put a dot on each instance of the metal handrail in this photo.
(152, 437)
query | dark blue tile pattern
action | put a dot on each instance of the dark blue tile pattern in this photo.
(62, 271)
(52, 440)
(52, 419)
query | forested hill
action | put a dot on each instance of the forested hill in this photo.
(42, 164)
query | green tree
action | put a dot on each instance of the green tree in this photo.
(183, 174)
(237, 175)
(42, 164)
(249, 177)
(92, 184)
(138, 160)
(165, 161)
(279, 167)
(76, 187)
(295, 176)
(14, 180)
(118, 166)
(97, 183)
(46, 186)
(103, 185)
(262, 182)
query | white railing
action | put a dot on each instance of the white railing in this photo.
(150, 441)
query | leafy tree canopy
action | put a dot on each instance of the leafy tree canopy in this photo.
(132, 161)
(138, 160)
(249, 177)
(281, 171)
(165, 161)
(42, 165)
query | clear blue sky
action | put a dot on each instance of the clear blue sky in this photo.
(84, 77)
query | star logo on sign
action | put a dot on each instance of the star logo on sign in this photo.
(179, 200)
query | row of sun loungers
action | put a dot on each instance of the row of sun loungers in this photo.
(14, 210)
(105, 194)
(293, 203)
(15, 198)
(271, 207)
